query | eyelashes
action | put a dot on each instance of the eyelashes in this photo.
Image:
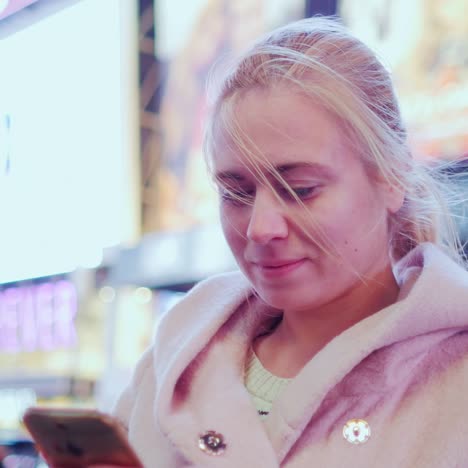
(243, 197)
(237, 197)
(301, 192)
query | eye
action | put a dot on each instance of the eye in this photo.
(237, 197)
(302, 193)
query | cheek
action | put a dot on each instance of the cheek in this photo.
(233, 228)
(353, 222)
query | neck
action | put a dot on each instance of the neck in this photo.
(302, 333)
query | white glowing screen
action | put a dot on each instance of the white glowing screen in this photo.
(61, 173)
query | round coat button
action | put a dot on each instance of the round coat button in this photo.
(356, 431)
(212, 442)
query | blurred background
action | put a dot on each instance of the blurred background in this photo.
(107, 216)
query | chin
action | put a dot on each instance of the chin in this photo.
(285, 300)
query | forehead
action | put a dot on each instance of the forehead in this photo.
(276, 127)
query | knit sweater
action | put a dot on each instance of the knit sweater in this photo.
(403, 370)
(263, 386)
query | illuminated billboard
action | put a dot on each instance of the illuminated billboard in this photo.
(425, 44)
(65, 169)
(189, 38)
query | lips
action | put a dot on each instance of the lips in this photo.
(278, 268)
(277, 264)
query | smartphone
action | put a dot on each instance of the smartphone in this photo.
(77, 438)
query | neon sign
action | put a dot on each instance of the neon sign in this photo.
(38, 317)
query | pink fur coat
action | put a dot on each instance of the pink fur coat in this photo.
(403, 370)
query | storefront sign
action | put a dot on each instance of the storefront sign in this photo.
(38, 317)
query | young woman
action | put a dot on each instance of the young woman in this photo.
(343, 338)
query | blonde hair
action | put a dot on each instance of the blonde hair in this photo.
(319, 57)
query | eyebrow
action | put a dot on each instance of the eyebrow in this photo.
(283, 169)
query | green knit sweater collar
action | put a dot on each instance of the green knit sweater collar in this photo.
(263, 386)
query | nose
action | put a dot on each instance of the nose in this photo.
(267, 220)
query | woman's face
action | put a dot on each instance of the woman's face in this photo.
(287, 268)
